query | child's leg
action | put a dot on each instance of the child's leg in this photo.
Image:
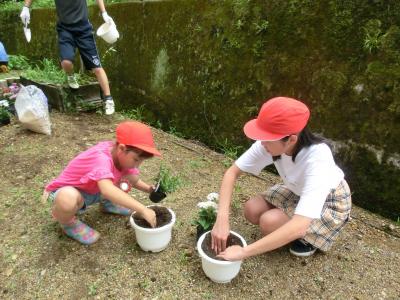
(108, 207)
(254, 208)
(282, 202)
(272, 220)
(66, 204)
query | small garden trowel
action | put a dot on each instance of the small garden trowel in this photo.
(27, 32)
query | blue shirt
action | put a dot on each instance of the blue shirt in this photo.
(3, 53)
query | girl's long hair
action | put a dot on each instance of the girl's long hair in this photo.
(305, 139)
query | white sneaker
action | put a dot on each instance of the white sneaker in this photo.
(109, 106)
(72, 82)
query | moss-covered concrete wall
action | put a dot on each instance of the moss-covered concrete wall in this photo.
(205, 67)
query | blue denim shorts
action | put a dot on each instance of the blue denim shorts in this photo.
(88, 199)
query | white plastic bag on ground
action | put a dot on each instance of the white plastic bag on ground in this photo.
(32, 109)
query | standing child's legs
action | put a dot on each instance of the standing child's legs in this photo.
(103, 80)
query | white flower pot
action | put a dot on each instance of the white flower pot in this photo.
(153, 239)
(218, 270)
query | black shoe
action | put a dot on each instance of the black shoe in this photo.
(301, 248)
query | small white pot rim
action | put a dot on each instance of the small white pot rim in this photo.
(157, 229)
(216, 261)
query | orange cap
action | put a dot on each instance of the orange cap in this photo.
(136, 134)
(278, 117)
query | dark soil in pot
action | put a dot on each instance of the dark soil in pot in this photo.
(162, 214)
(232, 240)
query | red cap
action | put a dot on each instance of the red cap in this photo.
(278, 117)
(136, 134)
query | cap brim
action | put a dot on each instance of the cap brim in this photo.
(254, 132)
(148, 149)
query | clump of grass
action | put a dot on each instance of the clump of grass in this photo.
(18, 62)
(230, 151)
(49, 72)
(134, 113)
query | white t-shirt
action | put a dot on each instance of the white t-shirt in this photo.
(312, 176)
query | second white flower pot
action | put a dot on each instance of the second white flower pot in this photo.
(219, 271)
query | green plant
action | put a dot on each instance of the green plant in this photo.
(172, 130)
(49, 72)
(92, 289)
(168, 182)
(18, 62)
(373, 33)
(262, 26)
(206, 218)
(230, 151)
(108, 53)
(135, 113)
(4, 114)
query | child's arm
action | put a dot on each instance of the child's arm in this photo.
(139, 184)
(117, 196)
(295, 228)
(220, 231)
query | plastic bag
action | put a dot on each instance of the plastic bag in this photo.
(32, 109)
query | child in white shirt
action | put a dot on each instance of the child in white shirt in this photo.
(312, 205)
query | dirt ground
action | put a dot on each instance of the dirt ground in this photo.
(38, 262)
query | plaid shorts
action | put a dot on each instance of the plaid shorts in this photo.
(335, 213)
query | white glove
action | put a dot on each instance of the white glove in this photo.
(25, 15)
(107, 18)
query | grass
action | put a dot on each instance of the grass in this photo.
(18, 62)
(135, 113)
(47, 71)
(230, 151)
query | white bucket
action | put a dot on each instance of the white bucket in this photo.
(108, 32)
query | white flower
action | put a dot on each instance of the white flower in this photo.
(207, 204)
(212, 196)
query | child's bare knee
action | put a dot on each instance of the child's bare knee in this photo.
(68, 200)
(251, 214)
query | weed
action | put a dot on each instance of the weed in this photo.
(145, 284)
(208, 295)
(373, 33)
(230, 151)
(239, 24)
(49, 72)
(261, 27)
(92, 289)
(135, 113)
(108, 53)
(183, 259)
(196, 164)
(172, 130)
(398, 220)
(18, 62)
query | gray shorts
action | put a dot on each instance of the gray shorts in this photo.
(88, 199)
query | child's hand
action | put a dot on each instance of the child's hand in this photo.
(152, 188)
(150, 216)
(232, 253)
